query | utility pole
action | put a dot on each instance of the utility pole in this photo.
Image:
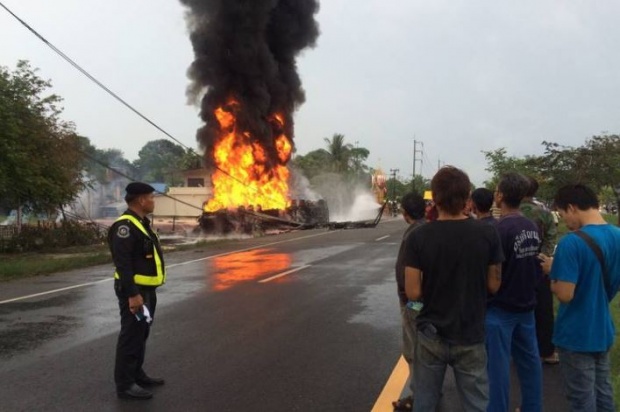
(415, 158)
(393, 174)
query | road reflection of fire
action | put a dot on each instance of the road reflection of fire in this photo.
(246, 266)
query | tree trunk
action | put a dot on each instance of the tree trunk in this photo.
(18, 221)
(64, 216)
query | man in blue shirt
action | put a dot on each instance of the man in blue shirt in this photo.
(584, 330)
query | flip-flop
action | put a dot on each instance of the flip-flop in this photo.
(404, 404)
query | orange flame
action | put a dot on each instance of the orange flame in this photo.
(249, 182)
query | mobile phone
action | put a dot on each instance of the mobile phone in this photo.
(140, 314)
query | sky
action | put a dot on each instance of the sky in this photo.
(458, 76)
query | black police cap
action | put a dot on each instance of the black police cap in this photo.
(139, 188)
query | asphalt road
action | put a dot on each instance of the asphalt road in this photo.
(228, 335)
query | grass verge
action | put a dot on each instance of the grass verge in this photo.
(25, 265)
(13, 266)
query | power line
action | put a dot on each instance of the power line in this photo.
(117, 97)
(425, 164)
(99, 162)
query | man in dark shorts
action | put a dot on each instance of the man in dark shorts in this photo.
(452, 264)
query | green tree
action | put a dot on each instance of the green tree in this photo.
(313, 163)
(420, 183)
(161, 161)
(339, 153)
(100, 164)
(396, 188)
(40, 164)
(594, 164)
(498, 163)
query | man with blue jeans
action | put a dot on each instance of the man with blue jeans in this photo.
(451, 264)
(510, 325)
(584, 331)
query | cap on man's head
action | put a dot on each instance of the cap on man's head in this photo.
(139, 188)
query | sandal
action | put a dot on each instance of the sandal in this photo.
(404, 404)
(554, 359)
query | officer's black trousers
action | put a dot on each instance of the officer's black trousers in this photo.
(131, 345)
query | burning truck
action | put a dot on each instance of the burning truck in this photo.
(244, 75)
(302, 214)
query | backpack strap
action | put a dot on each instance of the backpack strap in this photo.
(599, 255)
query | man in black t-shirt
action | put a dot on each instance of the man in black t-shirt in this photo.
(451, 264)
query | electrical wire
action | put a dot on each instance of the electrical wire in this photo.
(99, 162)
(117, 97)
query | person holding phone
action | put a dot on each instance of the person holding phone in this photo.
(140, 270)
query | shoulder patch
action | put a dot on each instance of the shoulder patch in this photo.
(123, 231)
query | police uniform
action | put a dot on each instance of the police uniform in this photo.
(139, 263)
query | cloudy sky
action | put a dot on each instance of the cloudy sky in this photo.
(460, 76)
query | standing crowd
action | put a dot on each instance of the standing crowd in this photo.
(476, 294)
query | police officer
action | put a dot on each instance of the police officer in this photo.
(140, 270)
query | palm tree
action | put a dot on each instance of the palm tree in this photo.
(339, 152)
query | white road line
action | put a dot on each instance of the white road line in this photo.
(249, 248)
(54, 291)
(382, 237)
(81, 285)
(393, 387)
(288, 272)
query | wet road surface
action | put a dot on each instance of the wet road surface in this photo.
(305, 321)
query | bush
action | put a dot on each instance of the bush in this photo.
(48, 237)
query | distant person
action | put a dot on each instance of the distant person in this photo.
(412, 208)
(543, 312)
(140, 269)
(510, 324)
(482, 202)
(451, 265)
(431, 211)
(585, 285)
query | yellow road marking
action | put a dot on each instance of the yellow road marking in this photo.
(393, 388)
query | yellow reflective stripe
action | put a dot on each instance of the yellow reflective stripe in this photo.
(146, 280)
(143, 280)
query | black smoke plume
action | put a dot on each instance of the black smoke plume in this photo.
(246, 50)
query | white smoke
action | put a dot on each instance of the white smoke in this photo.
(299, 187)
(345, 201)
(364, 207)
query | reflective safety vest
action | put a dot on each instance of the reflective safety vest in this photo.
(146, 280)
